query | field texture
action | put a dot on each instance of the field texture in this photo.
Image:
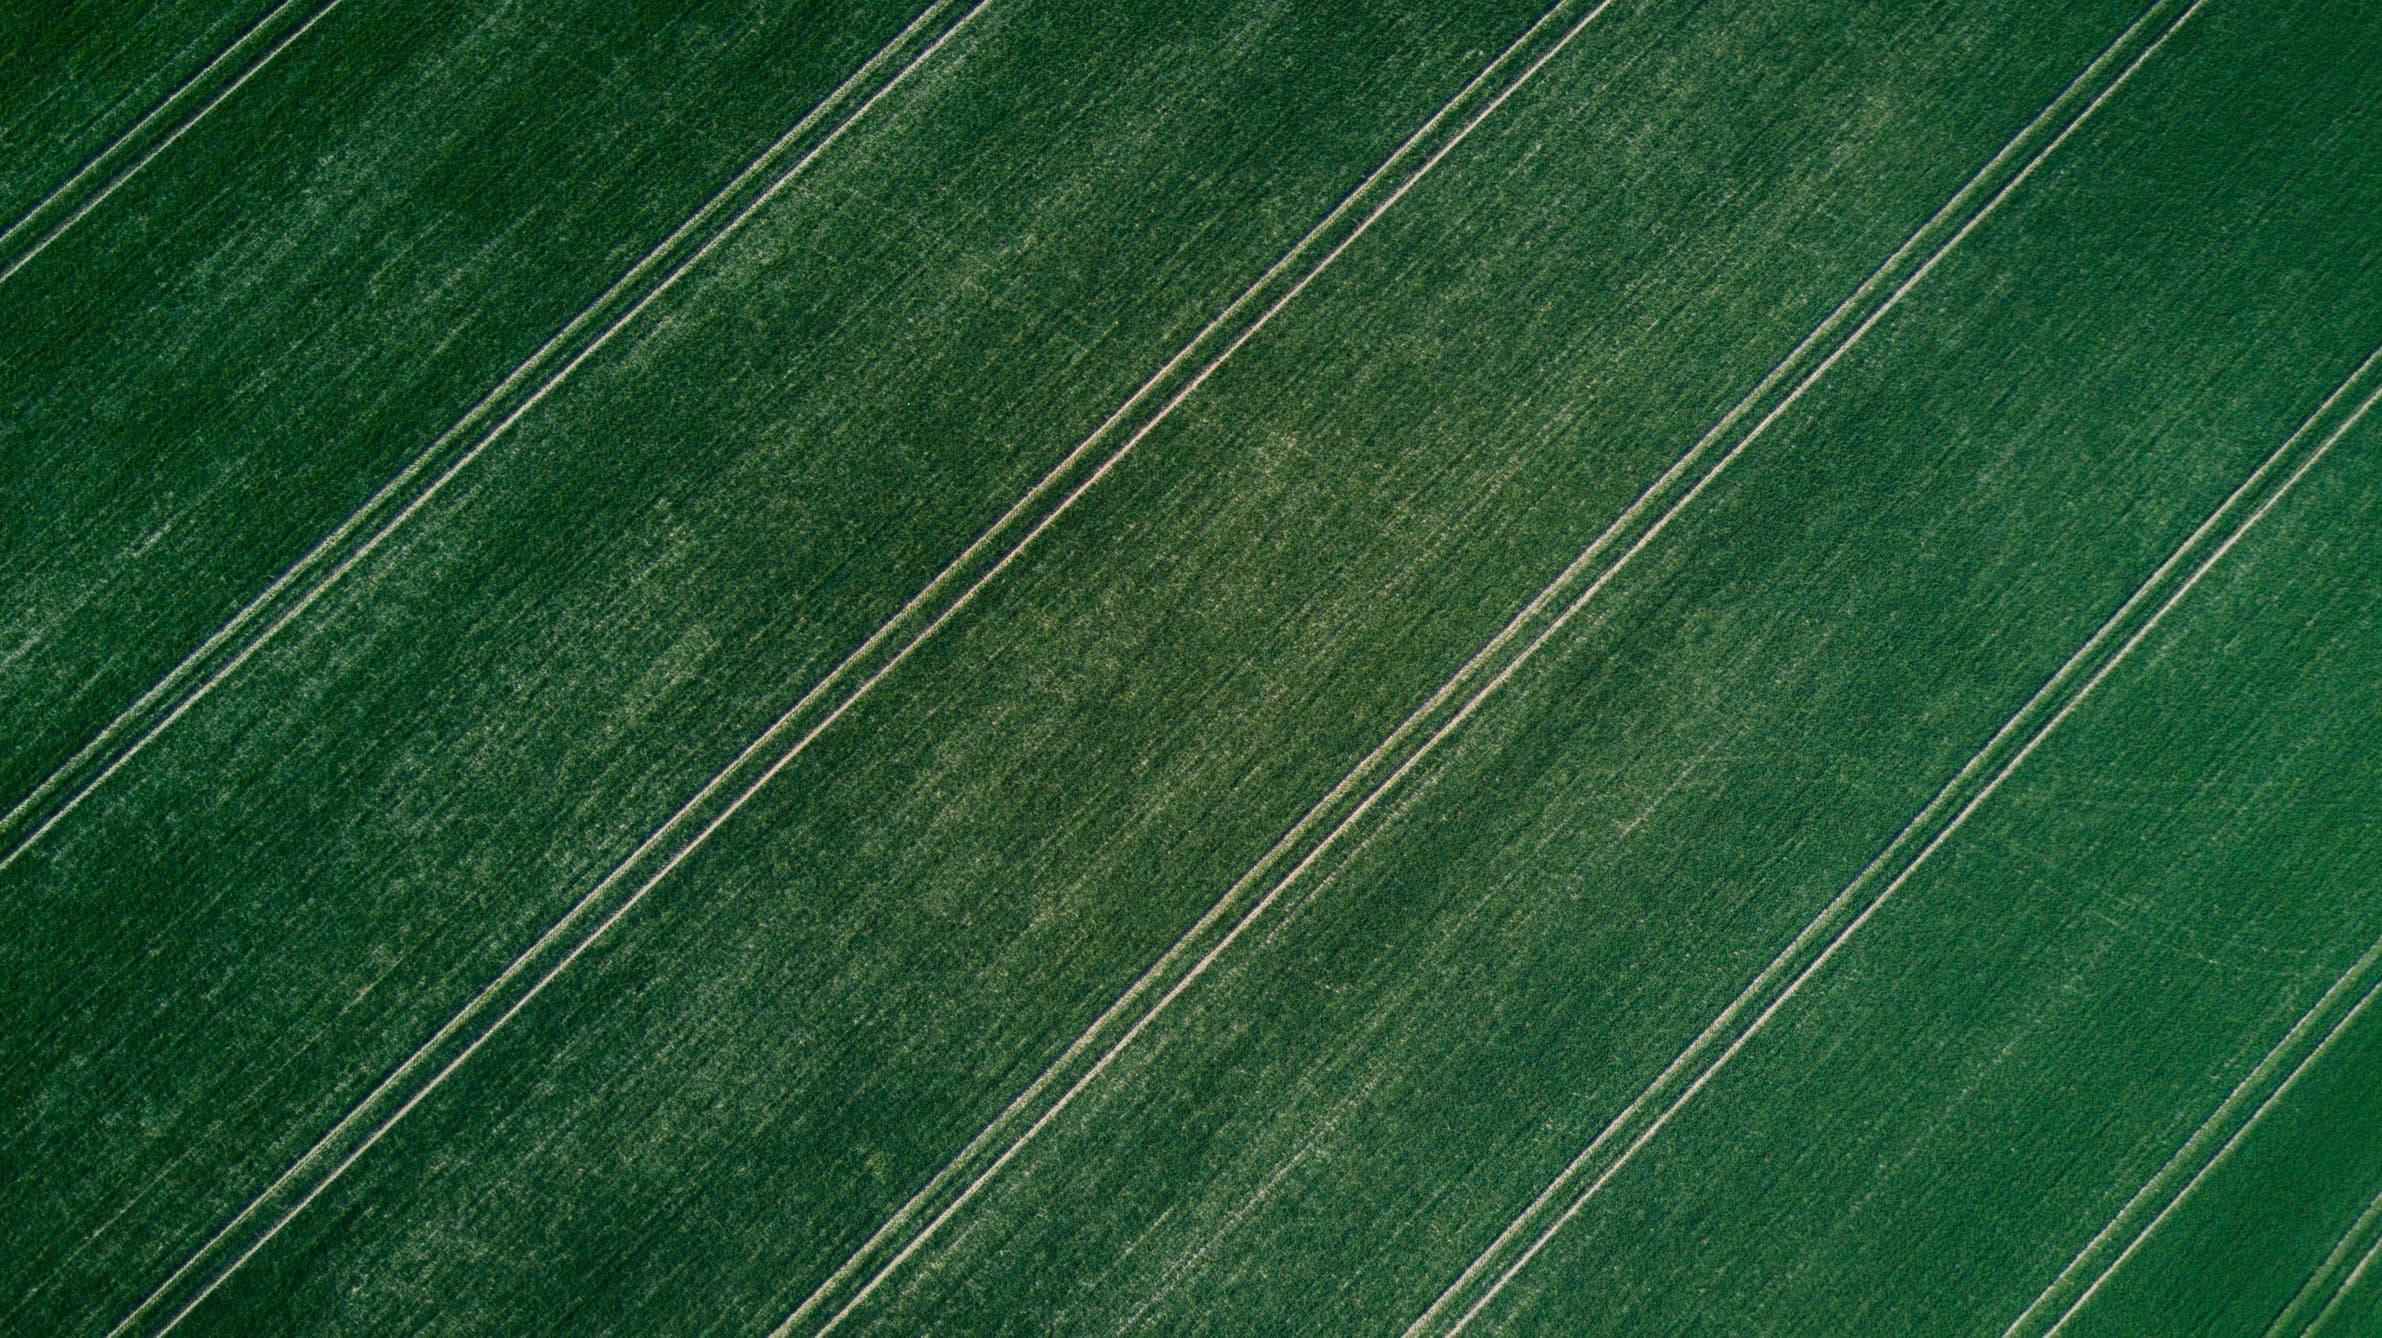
(763, 667)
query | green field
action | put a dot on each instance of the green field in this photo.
(1217, 667)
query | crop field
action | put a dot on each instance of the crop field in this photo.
(1024, 666)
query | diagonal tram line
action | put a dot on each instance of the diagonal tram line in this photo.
(2199, 1155)
(2319, 1298)
(975, 1165)
(762, 180)
(831, 697)
(2348, 1285)
(412, 488)
(1927, 831)
(100, 176)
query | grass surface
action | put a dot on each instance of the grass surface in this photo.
(1192, 667)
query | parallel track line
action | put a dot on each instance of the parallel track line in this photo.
(397, 501)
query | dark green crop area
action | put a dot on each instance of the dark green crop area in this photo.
(762, 667)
